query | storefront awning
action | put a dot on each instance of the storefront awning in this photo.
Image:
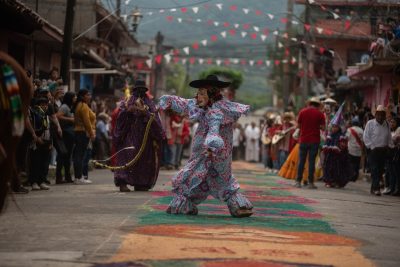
(97, 71)
(98, 58)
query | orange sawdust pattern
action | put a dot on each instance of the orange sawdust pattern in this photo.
(246, 234)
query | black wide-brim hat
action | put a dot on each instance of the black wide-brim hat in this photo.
(140, 84)
(211, 80)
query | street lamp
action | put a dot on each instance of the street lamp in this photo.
(136, 17)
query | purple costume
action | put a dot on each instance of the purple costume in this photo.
(129, 131)
(203, 175)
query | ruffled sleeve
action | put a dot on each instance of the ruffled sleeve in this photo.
(213, 140)
(176, 103)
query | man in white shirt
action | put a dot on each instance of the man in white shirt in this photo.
(237, 138)
(378, 139)
(252, 134)
(355, 146)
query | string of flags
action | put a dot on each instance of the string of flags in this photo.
(233, 8)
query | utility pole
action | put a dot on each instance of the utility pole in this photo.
(118, 8)
(286, 66)
(67, 42)
(158, 70)
(309, 57)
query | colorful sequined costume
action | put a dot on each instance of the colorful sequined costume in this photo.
(203, 175)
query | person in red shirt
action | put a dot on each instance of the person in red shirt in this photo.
(310, 121)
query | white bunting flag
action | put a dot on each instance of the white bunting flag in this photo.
(243, 34)
(275, 32)
(335, 16)
(294, 60)
(149, 63)
(127, 2)
(198, 20)
(162, 11)
(280, 45)
(246, 10)
(285, 35)
(184, 61)
(204, 42)
(332, 53)
(268, 63)
(295, 22)
(284, 61)
(186, 50)
(263, 37)
(319, 30)
(293, 39)
(251, 62)
(150, 13)
(270, 16)
(167, 58)
(223, 34)
(201, 61)
(235, 60)
(219, 6)
(311, 1)
(236, 25)
(313, 46)
(195, 9)
(179, 20)
(218, 61)
(173, 10)
(216, 23)
(256, 28)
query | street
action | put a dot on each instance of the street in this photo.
(95, 225)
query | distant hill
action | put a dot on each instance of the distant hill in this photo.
(186, 33)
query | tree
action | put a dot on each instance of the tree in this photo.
(233, 76)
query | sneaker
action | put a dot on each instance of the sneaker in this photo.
(311, 186)
(44, 186)
(386, 191)
(21, 190)
(35, 186)
(79, 181)
(297, 184)
(87, 181)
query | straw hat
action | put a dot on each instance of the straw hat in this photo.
(314, 99)
(329, 101)
(380, 108)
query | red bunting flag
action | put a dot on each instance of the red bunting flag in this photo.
(307, 27)
(321, 50)
(287, 52)
(260, 62)
(284, 20)
(158, 59)
(214, 38)
(253, 35)
(195, 45)
(170, 18)
(347, 24)
(176, 52)
(192, 60)
(176, 60)
(184, 9)
(277, 62)
(243, 61)
(258, 12)
(139, 65)
(233, 7)
(227, 61)
(210, 22)
(246, 26)
(266, 31)
(232, 32)
(226, 24)
(209, 61)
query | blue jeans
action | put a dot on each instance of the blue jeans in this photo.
(312, 150)
(282, 157)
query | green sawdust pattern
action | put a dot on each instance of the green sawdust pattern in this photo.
(275, 212)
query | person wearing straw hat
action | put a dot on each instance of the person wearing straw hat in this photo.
(208, 171)
(129, 131)
(310, 121)
(377, 137)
